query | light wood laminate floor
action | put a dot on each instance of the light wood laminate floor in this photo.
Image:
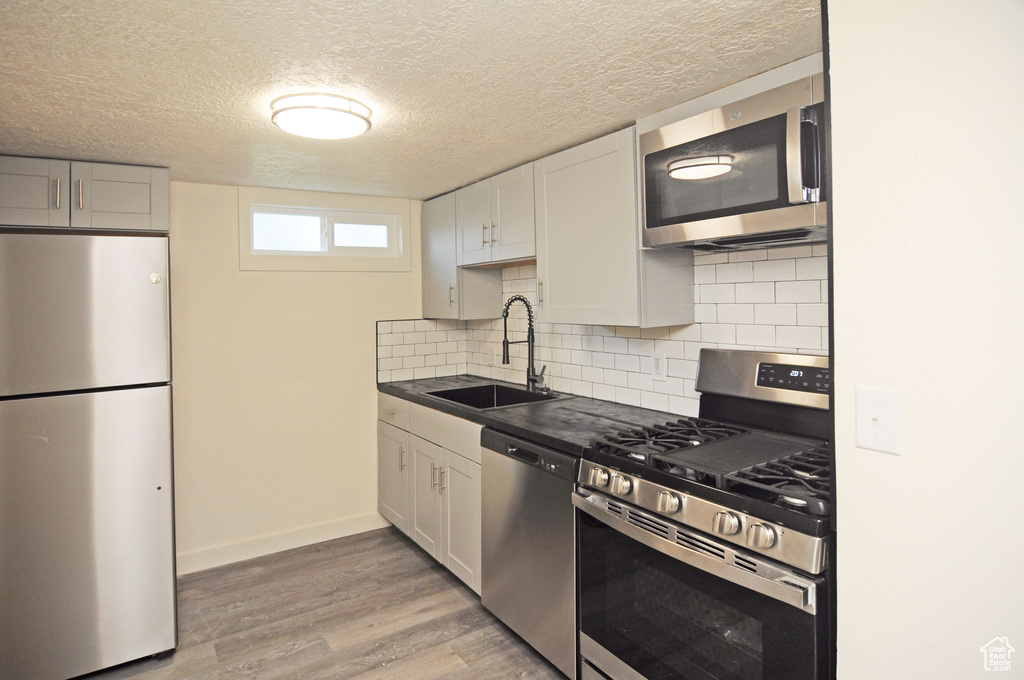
(365, 607)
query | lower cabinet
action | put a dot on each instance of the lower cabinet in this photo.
(393, 474)
(430, 490)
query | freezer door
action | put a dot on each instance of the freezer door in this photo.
(81, 312)
(86, 532)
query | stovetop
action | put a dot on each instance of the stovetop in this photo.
(779, 477)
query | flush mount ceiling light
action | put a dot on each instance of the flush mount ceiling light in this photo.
(320, 115)
(700, 168)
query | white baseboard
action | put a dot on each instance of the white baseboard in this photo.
(216, 556)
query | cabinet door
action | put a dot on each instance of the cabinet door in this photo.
(440, 245)
(425, 517)
(473, 217)
(34, 192)
(513, 234)
(108, 196)
(460, 497)
(393, 475)
(587, 239)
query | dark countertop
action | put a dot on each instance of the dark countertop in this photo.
(566, 424)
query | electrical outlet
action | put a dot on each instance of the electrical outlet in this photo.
(878, 420)
(659, 366)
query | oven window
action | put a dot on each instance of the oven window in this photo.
(666, 619)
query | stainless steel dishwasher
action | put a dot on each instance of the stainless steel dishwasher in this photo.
(528, 563)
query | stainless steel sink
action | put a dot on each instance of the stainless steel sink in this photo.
(491, 396)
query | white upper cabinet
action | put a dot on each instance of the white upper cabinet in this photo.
(39, 192)
(448, 291)
(34, 192)
(590, 269)
(495, 218)
(108, 196)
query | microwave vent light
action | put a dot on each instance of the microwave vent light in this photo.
(703, 167)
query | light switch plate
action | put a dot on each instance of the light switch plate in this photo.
(878, 420)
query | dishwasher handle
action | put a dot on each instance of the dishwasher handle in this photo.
(523, 455)
(529, 453)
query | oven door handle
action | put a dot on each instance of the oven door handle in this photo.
(781, 585)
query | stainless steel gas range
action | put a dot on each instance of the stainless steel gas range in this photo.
(704, 543)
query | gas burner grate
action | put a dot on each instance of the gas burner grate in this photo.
(801, 482)
(640, 443)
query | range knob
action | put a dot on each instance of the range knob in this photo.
(726, 523)
(668, 503)
(621, 486)
(760, 536)
(598, 477)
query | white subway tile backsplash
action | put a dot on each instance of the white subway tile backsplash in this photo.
(775, 315)
(775, 270)
(616, 345)
(639, 381)
(615, 378)
(801, 337)
(625, 395)
(762, 291)
(737, 313)
(789, 251)
(797, 291)
(641, 346)
(755, 335)
(717, 293)
(748, 255)
(682, 368)
(710, 258)
(812, 314)
(704, 274)
(774, 299)
(652, 400)
(714, 332)
(734, 272)
(705, 314)
(627, 362)
(812, 268)
(604, 391)
(672, 349)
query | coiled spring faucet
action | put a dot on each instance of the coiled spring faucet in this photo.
(534, 380)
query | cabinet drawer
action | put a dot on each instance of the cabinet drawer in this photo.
(393, 410)
(447, 431)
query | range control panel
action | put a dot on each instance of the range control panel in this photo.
(791, 377)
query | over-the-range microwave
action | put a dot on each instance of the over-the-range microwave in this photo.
(746, 175)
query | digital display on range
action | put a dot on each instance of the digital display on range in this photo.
(798, 378)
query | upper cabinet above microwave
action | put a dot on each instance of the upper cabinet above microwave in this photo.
(747, 174)
(495, 218)
(40, 192)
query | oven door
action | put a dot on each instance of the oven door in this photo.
(660, 601)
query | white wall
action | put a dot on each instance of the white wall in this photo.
(273, 373)
(929, 301)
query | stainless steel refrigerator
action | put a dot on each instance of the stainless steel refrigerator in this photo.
(87, 576)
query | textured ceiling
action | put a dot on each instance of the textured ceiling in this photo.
(460, 89)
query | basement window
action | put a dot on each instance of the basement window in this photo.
(273, 236)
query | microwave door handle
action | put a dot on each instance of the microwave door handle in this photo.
(794, 156)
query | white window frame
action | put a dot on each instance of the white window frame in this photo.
(394, 213)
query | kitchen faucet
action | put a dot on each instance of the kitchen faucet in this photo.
(534, 380)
